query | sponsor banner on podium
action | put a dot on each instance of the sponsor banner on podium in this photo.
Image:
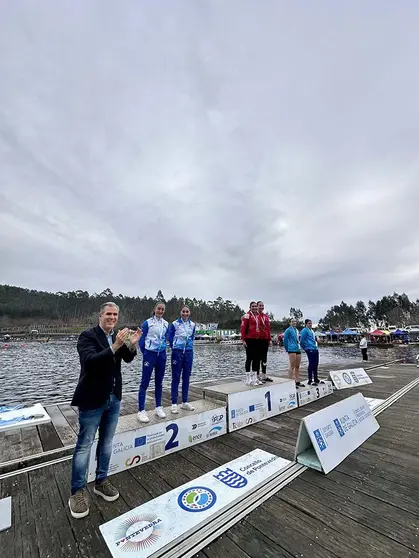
(158, 524)
(136, 446)
(353, 377)
(312, 393)
(253, 405)
(335, 432)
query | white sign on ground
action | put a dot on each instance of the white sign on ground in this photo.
(20, 418)
(160, 523)
(373, 403)
(309, 394)
(5, 513)
(333, 433)
(353, 377)
(254, 405)
(143, 443)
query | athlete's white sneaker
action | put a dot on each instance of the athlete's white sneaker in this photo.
(142, 416)
(254, 380)
(160, 413)
(174, 410)
(187, 407)
(248, 380)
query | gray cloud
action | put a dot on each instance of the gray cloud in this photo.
(210, 148)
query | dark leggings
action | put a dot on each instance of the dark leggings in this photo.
(364, 354)
(264, 348)
(253, 355)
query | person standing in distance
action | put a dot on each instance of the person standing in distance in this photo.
(363, 345)
(181, 337)
(153, 345)
(265, 341)
(309, 344)
(292, 347)
(98, 397)
(250, 334)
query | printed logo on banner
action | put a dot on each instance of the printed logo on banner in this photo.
(249, 420)
(319, 439)
(347, 378)
(141, 441)
(138, 532)
(231, 478)
(217, 418)
(133, 461)
(214, 431)
(251, 408)
(355, 377)
(195, 438)
(233, 414)
(197, 499)
(339, 427)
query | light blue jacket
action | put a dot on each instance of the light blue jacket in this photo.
(154, 337)
(308, 340)
(181, 335)
(291, 336)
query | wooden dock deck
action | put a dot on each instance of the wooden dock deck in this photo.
(367, 507)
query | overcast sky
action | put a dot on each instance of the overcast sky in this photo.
(244, 149)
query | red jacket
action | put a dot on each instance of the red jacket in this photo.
(255, 326)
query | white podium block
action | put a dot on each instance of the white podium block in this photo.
(353, 377)
(5, 513)
(328, 436)
(312, 393)
(250, 404)
(135, 442)
(373, 403)
(156, 527)
(28, 416)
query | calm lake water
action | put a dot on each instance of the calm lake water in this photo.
(48, 372)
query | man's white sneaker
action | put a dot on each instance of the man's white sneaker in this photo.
(187, 407)
(160, 413)
(174, 410)
(142, 416)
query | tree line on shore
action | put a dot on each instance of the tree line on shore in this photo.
(23, 306)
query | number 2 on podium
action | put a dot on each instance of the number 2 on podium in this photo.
(268, 399)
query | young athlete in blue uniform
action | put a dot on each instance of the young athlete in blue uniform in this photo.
(153, 347)
(181, 338)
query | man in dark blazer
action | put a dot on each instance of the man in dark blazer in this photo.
(98, 397)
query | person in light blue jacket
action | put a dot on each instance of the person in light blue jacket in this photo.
(181, 337)
(292, 346)
(309, 344)
(153, 347)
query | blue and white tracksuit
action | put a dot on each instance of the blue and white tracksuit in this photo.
(181, 338)
(152, 344)
(309, 344)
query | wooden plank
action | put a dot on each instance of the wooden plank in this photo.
(71, 416)
(64, 430)
(222, 547)
(255, 543)
(54, 534)
(86, 531)
(49, 437)
(21, 539)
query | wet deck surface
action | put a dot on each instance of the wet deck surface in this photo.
(367, 507)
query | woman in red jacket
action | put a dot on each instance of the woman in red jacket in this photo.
(250, 334)
(265, 340)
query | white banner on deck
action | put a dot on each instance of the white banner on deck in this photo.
(21, 418)
(336, 431)
(153, 526)
(312, 393)
(254, 405)
(353, 377)
(145, 443)
(373, 403)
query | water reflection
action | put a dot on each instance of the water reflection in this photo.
(49, 371)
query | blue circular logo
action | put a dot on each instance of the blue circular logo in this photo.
(197, 499)
(347, 378)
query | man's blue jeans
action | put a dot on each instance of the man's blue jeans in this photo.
(105, 418)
